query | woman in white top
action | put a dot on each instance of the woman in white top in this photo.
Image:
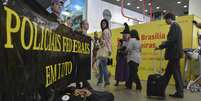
(133, 59)
(104, 52)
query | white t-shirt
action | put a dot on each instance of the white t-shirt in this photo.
(134, 48)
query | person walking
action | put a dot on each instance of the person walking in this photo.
(133, 58)
(173, 53)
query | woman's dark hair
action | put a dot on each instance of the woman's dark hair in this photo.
(169, 16)
(134, 34)
(107, 24)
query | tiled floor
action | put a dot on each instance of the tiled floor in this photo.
(122, 94)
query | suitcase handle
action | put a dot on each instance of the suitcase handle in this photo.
(161, 61)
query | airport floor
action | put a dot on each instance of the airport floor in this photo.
(122, 94)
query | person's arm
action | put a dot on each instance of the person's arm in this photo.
(129, 46)
(197, 24)
(107, 40)
(84, 92)
(172, 37)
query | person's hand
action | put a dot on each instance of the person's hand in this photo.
(77, 92)
(199, 35)
(86, 92)
(82, 92)
(194, 22)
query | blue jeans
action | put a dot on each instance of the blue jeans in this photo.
(103, 70)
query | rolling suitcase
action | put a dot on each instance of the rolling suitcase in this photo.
(155, 85)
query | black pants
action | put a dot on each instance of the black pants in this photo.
(173, 68)
(133, 75)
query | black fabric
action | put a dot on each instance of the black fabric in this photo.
(173, 68)
(72, 98)
(23, 71)
(173, 53)
(133, 75)
(2, 54)
(85, 85)
(122, 50)
(109, 61)
(96, 95)
(78, 98)
(155, 87)
(101, 96)
(126, 29)
(173, 45)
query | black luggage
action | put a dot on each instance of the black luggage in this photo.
(155, 85)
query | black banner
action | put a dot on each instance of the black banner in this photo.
(37, 54)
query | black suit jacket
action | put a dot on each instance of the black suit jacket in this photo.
(173, 45)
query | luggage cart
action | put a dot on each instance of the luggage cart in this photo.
(192, 54)
(195, 85)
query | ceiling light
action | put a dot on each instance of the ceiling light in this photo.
(140, 0)
(149, 4)
(164, 11)
(66, 13)
(128, 4)
(178, 2)
(157, 7)
(118, 0)
(138, 7)
(185, 6)
(78, 7)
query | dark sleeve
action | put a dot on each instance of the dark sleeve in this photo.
(123, 48)
(199, 25)
(172, 37)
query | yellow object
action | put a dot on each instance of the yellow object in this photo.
(151, 35)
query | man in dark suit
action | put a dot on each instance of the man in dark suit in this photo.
(173, 53)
